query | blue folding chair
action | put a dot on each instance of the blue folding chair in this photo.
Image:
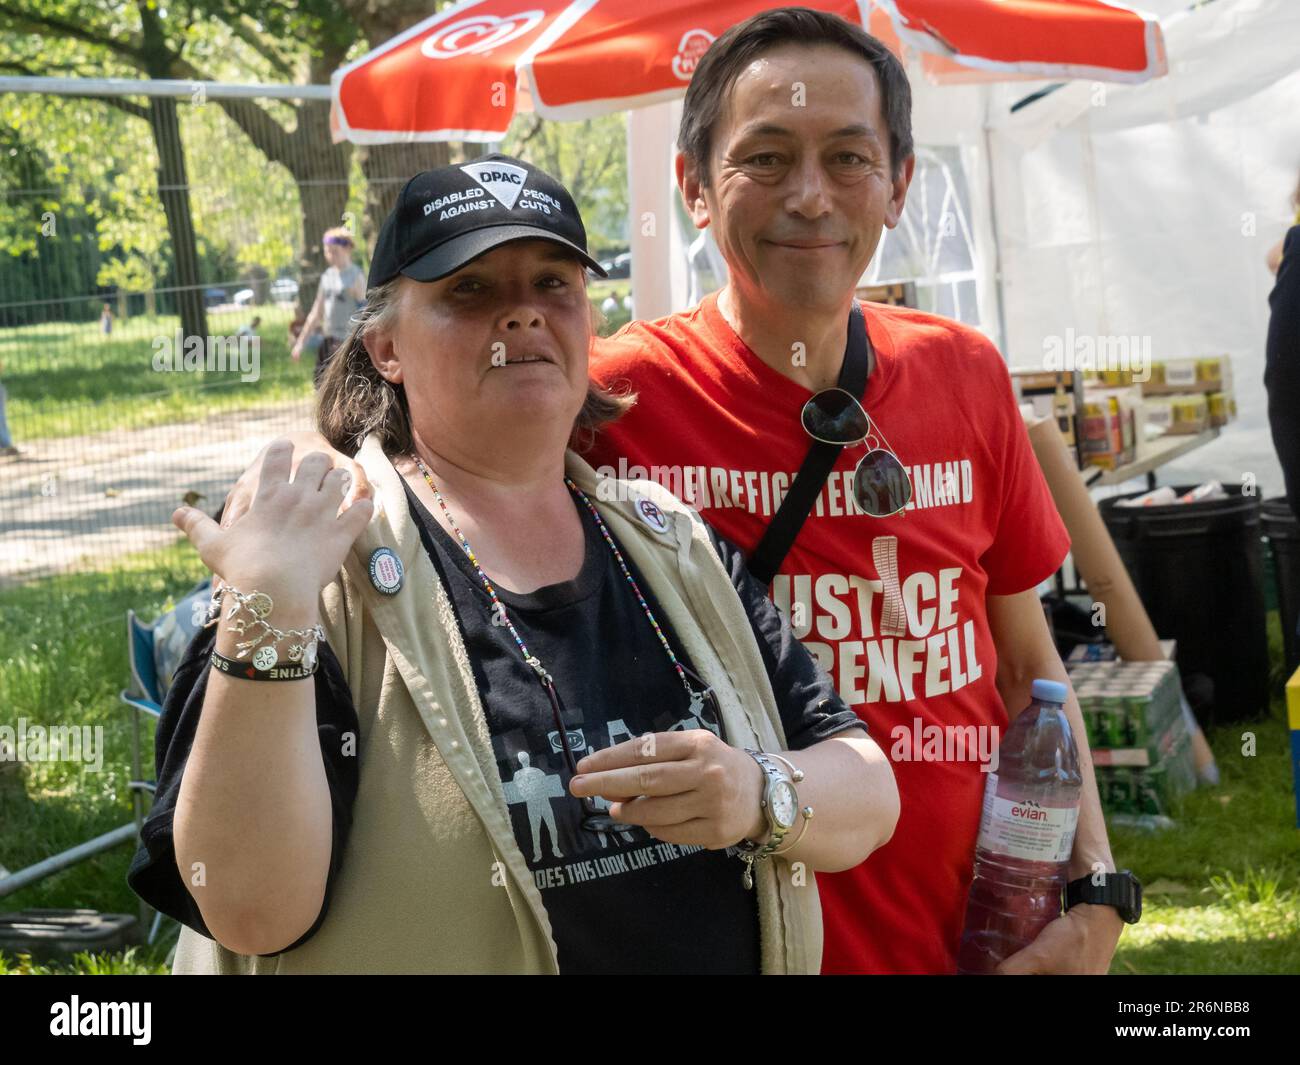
(153, 651)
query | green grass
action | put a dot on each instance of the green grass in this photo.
(66, 379)
(63, 649)
(1230, 927)
(1223, 888)
(134, 961)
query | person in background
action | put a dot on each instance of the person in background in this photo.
(342, 288)
(6, 441)
(1274, 257)
(1282, 359)
(310, 341)
(249, 330)
(106, 320)
(611, 304)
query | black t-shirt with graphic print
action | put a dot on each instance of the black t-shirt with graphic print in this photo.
(619, 902)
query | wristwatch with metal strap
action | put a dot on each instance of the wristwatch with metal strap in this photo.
(780, 805)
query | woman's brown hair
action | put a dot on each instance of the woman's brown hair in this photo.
(355, 400)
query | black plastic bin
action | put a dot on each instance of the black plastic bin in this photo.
(1199, 571)
(1283, 531)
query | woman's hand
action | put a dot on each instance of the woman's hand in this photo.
(293, 538)
(301, 444)
(692, 788)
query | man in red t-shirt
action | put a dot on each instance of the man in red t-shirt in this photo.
(928, 621)
(893, 608)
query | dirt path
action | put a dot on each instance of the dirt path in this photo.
(68, 501)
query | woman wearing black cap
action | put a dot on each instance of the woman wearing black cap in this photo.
(533, 737)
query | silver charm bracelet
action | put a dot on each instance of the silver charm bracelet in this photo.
(258, 606)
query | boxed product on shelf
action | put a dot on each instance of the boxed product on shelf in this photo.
(1115, 379)
(1130, 405)
(1222, 406)
(1207, 374)
(1178, 415)
(1053, 394)
(1108, 429)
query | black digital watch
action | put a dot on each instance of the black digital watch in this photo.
(1121, 890)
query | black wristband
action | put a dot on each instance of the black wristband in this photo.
(1120, 889)
(247, 671)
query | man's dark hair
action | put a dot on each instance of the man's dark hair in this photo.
(744, 42)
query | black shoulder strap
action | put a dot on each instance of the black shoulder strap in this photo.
(817, 465)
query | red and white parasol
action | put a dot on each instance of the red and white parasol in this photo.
(464, 72)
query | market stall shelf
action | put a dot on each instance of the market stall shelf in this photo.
(1155, 455)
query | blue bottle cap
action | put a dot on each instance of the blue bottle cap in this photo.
(1049, 691)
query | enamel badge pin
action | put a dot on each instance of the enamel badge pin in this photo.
(386, 571)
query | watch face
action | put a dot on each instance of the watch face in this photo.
(785, 803)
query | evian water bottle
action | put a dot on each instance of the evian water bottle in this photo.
(1031, 809)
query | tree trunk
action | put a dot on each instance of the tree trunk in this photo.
(390, 166)
(174, 192)
(173, 182)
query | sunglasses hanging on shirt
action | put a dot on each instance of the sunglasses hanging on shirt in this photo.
(881, 486)
(835, 419)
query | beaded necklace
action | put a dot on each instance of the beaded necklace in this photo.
(696, 697)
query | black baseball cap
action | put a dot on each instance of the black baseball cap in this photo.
(443, 218)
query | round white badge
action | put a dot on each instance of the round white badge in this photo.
(650, 513)
(265, 658)
(386, 571)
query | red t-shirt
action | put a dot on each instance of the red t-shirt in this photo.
(893, 608)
